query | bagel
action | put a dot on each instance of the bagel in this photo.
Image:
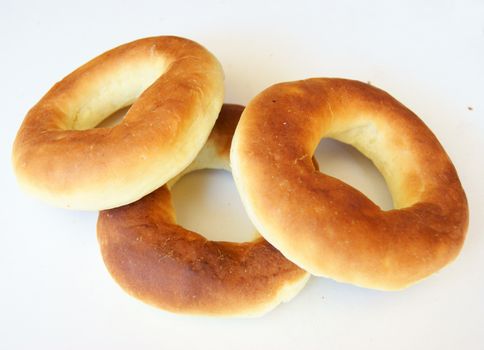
(175, 87)
(165, 265)
(324, 225)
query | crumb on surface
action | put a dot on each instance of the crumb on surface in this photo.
(470, 108)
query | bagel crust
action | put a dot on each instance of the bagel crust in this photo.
(165, 265)
(175, 87)
(324, 225)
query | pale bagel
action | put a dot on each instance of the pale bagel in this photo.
(176, 88)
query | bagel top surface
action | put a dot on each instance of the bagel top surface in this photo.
(326, 226)
(175, 87)
(165, 265)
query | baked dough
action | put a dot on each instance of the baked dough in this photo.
(176, 88)
(324, 225)
(165, 265)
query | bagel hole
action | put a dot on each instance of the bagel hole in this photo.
(346, 163)
(207, 202)
(113, 119)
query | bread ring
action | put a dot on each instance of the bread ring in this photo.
(176, 88)
(165, 265)
(324, 225)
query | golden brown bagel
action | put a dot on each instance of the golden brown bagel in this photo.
(324, 225)
(176, 88)
(165, 265)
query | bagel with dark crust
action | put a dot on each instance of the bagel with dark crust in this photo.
(165, 265)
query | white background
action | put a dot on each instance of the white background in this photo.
(55, 292)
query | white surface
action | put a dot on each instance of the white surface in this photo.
(55, 291)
